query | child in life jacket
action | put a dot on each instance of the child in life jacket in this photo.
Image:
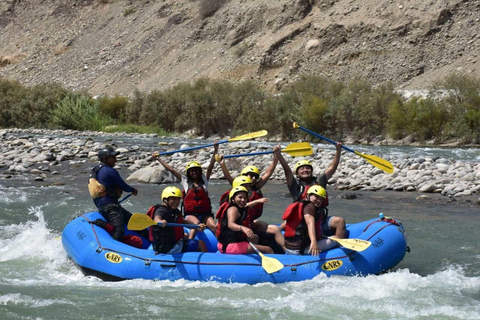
(302, 223)
(255, 210)
(233, 228)
(171, 239)
(197, 207)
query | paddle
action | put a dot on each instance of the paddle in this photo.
(125, 198)
(270, 265)
(374, 160)
(248, 136)
(140, 221)
(352, 244)
(296, 149)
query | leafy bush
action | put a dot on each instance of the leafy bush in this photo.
(78, 112)
(113, 107)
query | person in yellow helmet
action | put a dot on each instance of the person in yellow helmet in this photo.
(270, 234)
(167, 239)
(233, 230)
(303, 224)
(197, 206)
(299, 185)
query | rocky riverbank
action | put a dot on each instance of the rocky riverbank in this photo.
(39, 154)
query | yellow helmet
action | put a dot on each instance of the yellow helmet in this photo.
(240, 180)
(250, 169)
(171, 192)
(318, 190)
(302, 163)
(236, 190)
(193, 164)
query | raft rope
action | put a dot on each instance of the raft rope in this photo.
(149, 261)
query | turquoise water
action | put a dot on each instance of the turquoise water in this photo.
(439, 279)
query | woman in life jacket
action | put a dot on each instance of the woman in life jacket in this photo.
(269, 235)
(233, 228)
(298, 186)
(303, 221)
(171, 239)
(196, 202)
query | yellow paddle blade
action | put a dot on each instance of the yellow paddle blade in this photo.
(140, 221)
(377, 162)
(248, 136)
(270, 265)
(352, 244)
(299, 149)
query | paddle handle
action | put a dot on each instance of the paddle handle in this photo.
(125, 198)
(191, 148)
(321, 137)
(247, 154)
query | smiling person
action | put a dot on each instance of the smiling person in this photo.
(233, 229)
(105, 186)
(303, 224)
(298, 187)
(197, 207)
(171, 239)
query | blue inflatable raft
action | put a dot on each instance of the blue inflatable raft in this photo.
(96, 253)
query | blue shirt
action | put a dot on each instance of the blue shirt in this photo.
(110, 178)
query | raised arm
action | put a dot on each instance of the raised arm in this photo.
(268, 173)
(283, 162)
(225, 171)
(336, 160)
(169, 168)
(212, 160)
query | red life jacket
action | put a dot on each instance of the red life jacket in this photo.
(295, 226)
(224, 197)
(256, 211)
(224, 234)
(303, 193)
(173, 215)
(196, 201)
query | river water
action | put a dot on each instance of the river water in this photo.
(438, 279)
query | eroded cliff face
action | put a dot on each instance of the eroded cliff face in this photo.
(115, 46)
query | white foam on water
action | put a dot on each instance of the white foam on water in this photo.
(12, 195)
(17, 299)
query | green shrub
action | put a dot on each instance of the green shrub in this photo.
(78, 112)
(129, 11)
(113, 107)
(132, 128)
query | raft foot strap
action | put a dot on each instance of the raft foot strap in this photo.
(148, 262)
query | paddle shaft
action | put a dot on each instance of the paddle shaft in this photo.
(191, 148)
(324, 138)
(125, 198)
(188, 226)
(247, 154)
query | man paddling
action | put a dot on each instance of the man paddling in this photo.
(299, 186)
(105, 186)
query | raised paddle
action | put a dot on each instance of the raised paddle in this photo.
(140, 221)
(296, 149)
(248, 136)
(270, 265)
(374, 160)
(352, 244)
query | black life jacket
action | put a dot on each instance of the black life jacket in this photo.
(164, 238)
(224, 234)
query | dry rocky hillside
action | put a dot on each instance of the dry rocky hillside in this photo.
(115, 46)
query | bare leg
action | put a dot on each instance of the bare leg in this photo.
(338, 224)
(193, 232)
(211, 224)
(264, 249)
(279, 238)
